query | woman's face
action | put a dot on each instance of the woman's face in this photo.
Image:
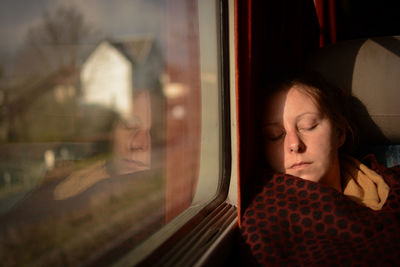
(299, 139)
(132, 141)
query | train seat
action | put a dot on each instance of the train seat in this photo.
(370, 69)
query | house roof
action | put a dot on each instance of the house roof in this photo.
(144, 56)
(136, 50)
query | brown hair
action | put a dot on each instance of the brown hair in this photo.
(332, 102)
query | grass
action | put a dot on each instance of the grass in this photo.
(70, 239)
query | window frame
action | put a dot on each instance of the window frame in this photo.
(170, 237)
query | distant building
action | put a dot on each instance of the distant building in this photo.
(115, 70)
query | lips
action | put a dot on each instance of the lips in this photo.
(300, 165)
(135, 162)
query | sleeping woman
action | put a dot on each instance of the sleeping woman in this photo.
(320, 206)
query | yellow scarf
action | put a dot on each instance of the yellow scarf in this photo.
(362, 184)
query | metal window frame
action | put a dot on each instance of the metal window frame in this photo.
(188, 237)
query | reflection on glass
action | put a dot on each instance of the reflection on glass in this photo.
(131, 152)
(99, 125)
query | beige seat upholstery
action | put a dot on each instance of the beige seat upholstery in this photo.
(370, 68)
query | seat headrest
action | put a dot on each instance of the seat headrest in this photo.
(370, 69)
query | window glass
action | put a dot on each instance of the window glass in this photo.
(109, 123)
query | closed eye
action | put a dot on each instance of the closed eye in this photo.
(308, 128)
(273, 132)
(273, 138)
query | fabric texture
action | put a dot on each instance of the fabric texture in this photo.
(362, 184)
(296, 222)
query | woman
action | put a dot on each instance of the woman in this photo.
(320, 207)
(131, 147)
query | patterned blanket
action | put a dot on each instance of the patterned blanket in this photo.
(297, 222)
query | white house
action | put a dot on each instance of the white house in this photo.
(115, 70)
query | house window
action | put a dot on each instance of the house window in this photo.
(110, 124)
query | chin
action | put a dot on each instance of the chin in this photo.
(309, 177)
(124, 166)
(312, 179)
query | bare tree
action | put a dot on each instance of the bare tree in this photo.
(55, 42)
(49, 57)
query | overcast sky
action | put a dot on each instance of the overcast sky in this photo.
(116, 18)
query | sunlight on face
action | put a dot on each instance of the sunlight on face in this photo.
(299, 139)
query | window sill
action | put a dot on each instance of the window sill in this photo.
(194, 247)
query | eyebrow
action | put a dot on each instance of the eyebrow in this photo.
(273, 123)
(318, 114)
(306, 113)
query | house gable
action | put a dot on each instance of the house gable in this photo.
(106, 80)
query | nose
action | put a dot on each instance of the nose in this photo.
(294, 143)
(140, 141)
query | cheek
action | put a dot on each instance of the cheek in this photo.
(325, 149)
(117, 143)
(121, 141)
(274, 156)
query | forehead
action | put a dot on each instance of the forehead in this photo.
(291, 102)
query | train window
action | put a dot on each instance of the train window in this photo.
(112, 119)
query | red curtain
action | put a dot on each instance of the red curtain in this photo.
(270, 35)
(326, 13)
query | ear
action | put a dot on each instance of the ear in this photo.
(341, 135)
